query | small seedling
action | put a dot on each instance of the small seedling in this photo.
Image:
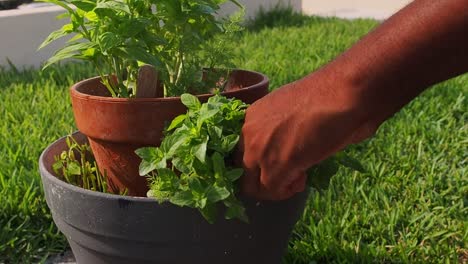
(77, 166)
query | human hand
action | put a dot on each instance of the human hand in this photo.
(293, 128)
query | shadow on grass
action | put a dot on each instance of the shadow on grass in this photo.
(283, 17)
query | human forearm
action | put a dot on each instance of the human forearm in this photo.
(425, 43)
(303, 123)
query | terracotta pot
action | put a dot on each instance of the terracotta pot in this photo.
(107, 228)
(116, 127)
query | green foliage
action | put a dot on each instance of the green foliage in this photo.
(178, 37)
(192, 166)
(77, 166)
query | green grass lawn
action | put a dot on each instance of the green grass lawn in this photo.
(410, 206)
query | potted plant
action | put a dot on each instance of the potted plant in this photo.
(149, 54)
(127, 106)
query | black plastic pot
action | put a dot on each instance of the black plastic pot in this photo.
(107, 228)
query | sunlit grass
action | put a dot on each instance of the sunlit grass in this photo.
(410, 207)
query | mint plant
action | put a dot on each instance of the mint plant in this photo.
(193, 166)
(177, 37)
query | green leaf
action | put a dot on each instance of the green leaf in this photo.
(236, 211)
(209, 212)
(218, 164)
(196, 186)
(113, 6)
(91, 16)
(184, 198)
(60, 3)
(234, 174)
(76, 37)
(147, 153)
(177, 122)
(152, 159)
(215, 132)
(74, 168)
(216, 194)
(200, 150)
(57, 166)
(207, 111)
(141, 55)
(190, 101)
(70, 51)
(180, 165)
(108, 41)
(84, 5)
(320, 175)
(230, 142)
(349, 162)
(175, 142)
(62, 32)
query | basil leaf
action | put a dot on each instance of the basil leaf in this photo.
(190, 101)
(200, 150)
(177, 122)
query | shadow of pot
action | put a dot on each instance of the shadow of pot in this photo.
(107, 228)
(116, 127)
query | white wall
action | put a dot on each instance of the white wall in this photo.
(377, 9)
(252, 6)
(22, 30)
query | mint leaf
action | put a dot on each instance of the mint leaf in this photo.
(184, 198)
(235, 174)
(236, 211)
(152, 159)
(148, 153)
(215, 194)
(209, 212)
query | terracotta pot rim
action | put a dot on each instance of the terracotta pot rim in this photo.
(75, 93)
